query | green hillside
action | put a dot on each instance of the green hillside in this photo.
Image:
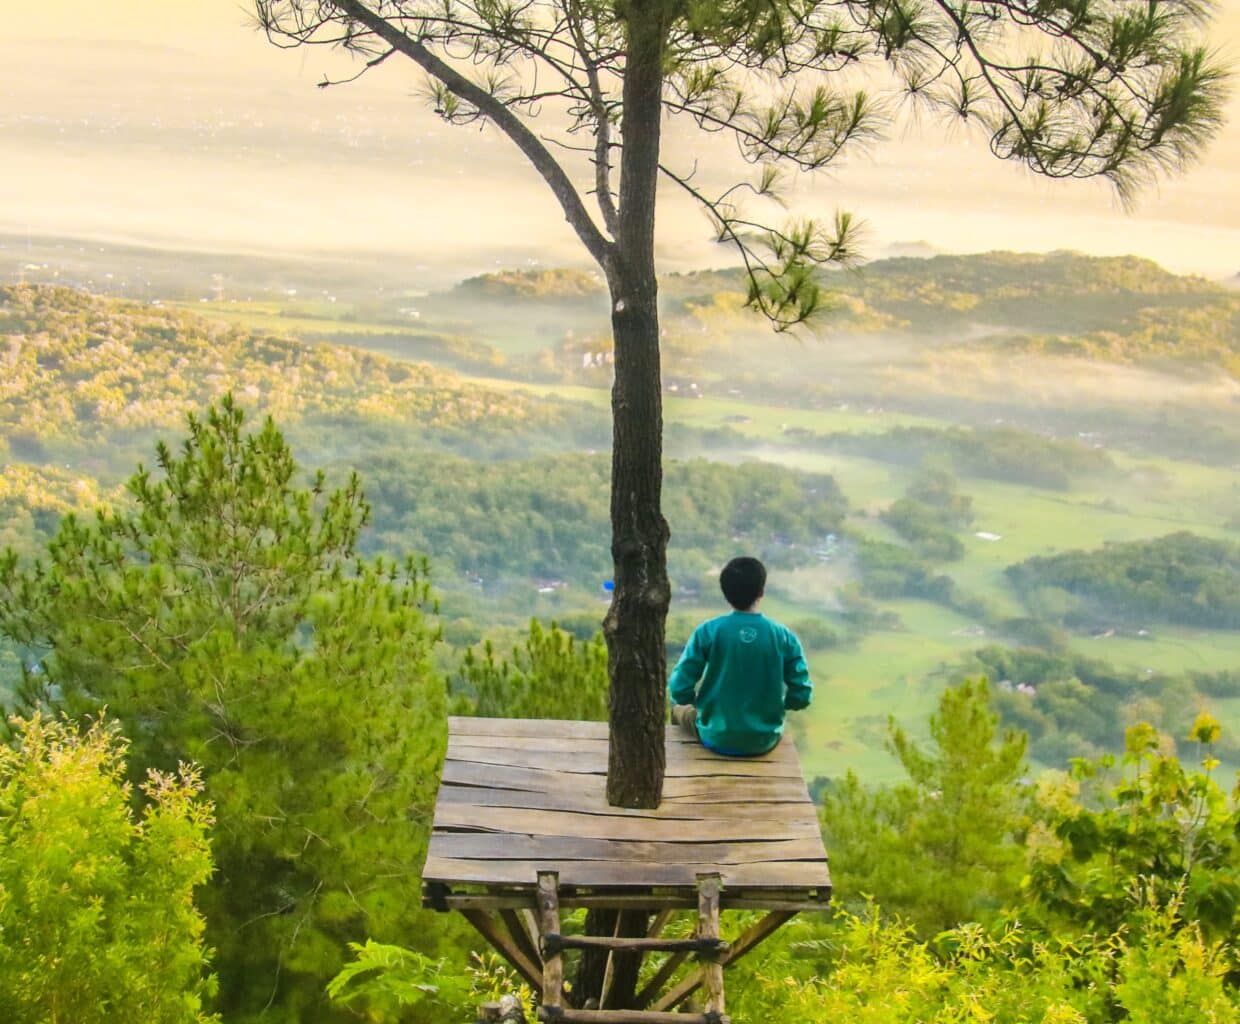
(503, 486)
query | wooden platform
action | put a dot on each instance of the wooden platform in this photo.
(524, 796)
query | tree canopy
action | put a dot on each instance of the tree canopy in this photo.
(1077, 89)
(1070, 89)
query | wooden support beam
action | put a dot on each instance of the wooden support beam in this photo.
(549, 924)
(516, 928)
(635, 945)
(708, 930)
(531, 923)
(609, 969)
(756, 933)
(759, 931)
(622, 901)
(659, 922)
(661, 977)
(490, 930)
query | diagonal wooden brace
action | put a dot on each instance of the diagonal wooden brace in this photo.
(489, 928)
(756, 933)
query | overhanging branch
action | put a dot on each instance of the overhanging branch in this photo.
(560, 184)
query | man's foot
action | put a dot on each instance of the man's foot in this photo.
(685, 716)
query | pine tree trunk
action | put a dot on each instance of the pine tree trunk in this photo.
(592, 968)
(635, 622)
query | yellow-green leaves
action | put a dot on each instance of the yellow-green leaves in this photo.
(98, 922)
(1206, 728)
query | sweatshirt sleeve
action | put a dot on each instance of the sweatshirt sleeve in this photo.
(800, 691)
(689, 668)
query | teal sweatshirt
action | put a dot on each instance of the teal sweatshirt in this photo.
(752, 670)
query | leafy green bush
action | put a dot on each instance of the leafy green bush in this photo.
(1106, 844)
(97, 915)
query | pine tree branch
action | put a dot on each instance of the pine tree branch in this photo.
(495, 110)
(602, 125)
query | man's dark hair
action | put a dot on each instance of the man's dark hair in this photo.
(742, 581)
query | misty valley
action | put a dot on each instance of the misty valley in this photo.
(1017, 467)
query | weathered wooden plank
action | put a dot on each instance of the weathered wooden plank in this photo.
(595, 803)
(555, 727)
(585, 744)
(540, 780)
(783, 753)
(502, 846)
(545, 780)
(521, 821)
(757, 789)
(686, 750)
(671, 898)
(468, 726)
(772, 875)
(579, 762)
(587, 763)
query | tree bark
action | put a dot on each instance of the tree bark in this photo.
(637, 660)
(627, 966)
(588, 983)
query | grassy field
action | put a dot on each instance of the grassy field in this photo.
(896, 674)
(901, 673)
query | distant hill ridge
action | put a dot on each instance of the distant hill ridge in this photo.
(77, 367)
(1118, 309)
(1062, 270)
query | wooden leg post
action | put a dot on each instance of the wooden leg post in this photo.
(708, 928)
(553, 959)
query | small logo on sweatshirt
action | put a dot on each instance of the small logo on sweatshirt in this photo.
(748, 635)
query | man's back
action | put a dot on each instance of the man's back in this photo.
(752, 670)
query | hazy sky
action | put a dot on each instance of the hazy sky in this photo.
(176, 123)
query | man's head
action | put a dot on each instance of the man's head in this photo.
(743, 581)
